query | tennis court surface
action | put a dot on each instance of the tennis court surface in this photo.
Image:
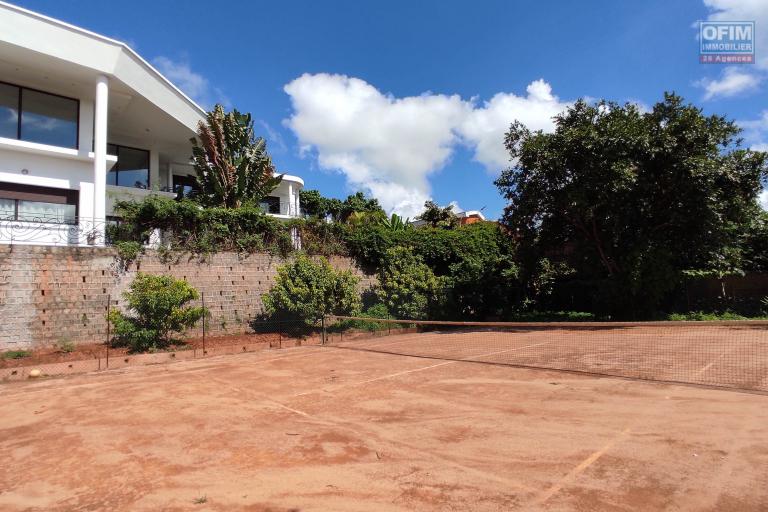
(410, 421)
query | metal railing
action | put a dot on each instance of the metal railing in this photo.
(52, 230)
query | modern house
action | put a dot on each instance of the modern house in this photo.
(84, 122)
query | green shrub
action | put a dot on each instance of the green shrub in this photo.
(307, 290)
(16, 354)
(407, 286)
(376, 311)
(128, 250)
(552, 316)
(189, 227)
(701, 316)
(65, 345)
(157, 310)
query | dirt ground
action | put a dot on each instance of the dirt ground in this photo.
(329, 428)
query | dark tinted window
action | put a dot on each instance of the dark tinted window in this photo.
(48, 119)
(270, 204)
(9, 111)
(131, 169)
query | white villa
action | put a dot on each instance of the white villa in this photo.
(85, 121)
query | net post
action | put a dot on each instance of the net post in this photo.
(106, 343)
(202, 298)
(322, 336)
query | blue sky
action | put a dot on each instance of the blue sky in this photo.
(409, 100)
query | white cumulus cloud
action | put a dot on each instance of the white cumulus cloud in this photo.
(733, 81)
(194, 85)
(764, 199)
(484, 127)
(390, 146)
(756, 132)
(385, 145)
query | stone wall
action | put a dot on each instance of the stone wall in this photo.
(54, 294)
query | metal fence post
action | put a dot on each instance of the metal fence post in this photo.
(202, 298)
(109, 305)
(322, 338)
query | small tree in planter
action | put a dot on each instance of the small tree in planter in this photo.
(157, 310)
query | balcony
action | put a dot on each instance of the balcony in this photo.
(280, 207)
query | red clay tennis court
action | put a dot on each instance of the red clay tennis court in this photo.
(411, 421)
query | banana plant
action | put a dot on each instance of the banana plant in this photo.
(232, 164)
(396, 223)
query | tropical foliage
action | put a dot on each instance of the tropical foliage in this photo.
(157, 309)
(232, 164)
(188, 227)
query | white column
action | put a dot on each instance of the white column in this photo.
(154, 170)
(100, 158)
(290, 199)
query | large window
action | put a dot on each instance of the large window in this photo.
(270, 204)
(183, 186)
(131, 169)
(36, 116)
(38, 204)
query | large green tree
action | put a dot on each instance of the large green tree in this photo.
(630, 199)
(438, 217)
(232, 164)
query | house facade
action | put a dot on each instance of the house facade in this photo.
(85, 122)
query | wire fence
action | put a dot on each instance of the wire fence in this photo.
(720, 354)
(67, 359)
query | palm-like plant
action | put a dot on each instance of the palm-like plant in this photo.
(232, 164)
(396, 223)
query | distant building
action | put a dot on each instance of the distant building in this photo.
(465, 218)
(470, 217)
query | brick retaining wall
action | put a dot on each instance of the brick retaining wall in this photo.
(54, 294)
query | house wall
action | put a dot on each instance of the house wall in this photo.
(50, 294)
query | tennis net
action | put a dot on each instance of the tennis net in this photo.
(722, 354)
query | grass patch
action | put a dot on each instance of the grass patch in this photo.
(703, 316)
(201, 500)
(15, 354)
(553, 316)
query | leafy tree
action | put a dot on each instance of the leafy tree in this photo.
(438, 217)
(756, 244)
(157, 309)
(407, 286)
(369, 243)
(313, 203)
(355, 209)
(357, 203)
(232, 164)
(631, 199)
(306, 290)
(478, 263)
